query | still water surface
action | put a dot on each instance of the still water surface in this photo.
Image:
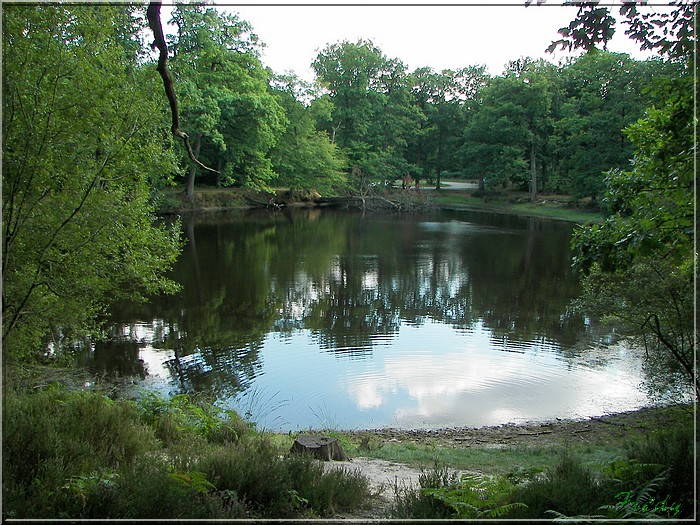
(318, 319)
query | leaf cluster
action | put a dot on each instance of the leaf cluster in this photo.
(83, 148)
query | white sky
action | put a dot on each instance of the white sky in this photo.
(439, 36)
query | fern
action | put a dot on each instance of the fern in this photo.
(476, 497)
(636, 504)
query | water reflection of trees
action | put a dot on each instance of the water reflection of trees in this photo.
(349, 279)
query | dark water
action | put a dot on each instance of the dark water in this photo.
(321, 319)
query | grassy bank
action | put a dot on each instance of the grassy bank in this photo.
(559, 207)
(636, 465)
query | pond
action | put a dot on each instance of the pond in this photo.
(321, 319)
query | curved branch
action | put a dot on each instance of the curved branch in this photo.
(153, 15)
(687, 366)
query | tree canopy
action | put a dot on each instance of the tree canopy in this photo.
(638, 266)
(77, 205)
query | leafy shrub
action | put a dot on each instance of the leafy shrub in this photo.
(256, 472)
(410, 503)
(671, 452)
(336, 490)
(77, 455)
(183, 415)
(568, 488)
(58, 443)
(82, 431)
(477, 497)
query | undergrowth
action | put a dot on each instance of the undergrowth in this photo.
(76, 455)
(654, 480)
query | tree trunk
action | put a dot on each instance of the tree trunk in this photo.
(193, 168)
(219, 166)
(533, 168)
(323, 448)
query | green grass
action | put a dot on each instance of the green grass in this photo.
(485, 459)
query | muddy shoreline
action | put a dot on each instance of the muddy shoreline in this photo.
(607, 429)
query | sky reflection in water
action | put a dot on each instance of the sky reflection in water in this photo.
(341, 321)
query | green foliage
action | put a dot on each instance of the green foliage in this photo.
(79, 455)
(671, 453)
(373, 118)
(443, 495)
(476, 497)
(305, 158)
(226, 105)
(592, 26)
(184, 414)
(569, 488)
(638, 264)
(327, 490)
(58, 444)
(506, 135)
(83, 146)
(410, 503)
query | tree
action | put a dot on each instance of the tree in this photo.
(445, 99)
(304, 158)
(504, 136)
(226, 104)
(592, 26)
(372, 118)
(83, 147)
(603, 93)
(638, 266)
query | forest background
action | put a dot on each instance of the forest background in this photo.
(85, 137)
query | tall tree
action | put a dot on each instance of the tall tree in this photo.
(509, 127)
(373, 116)
(304, 158)
(445, 99)
(226, 103)
(83, 146)
(603, 93)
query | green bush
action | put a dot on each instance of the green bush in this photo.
(410, 503)
(53, 439)
(477, 497)
(569, 488)
(76, 455)
(256, 472)
(670, 452)
(183, 415)
(339, 489)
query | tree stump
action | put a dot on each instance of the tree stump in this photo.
(323, 448)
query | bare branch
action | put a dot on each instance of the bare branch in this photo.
(153, 15)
